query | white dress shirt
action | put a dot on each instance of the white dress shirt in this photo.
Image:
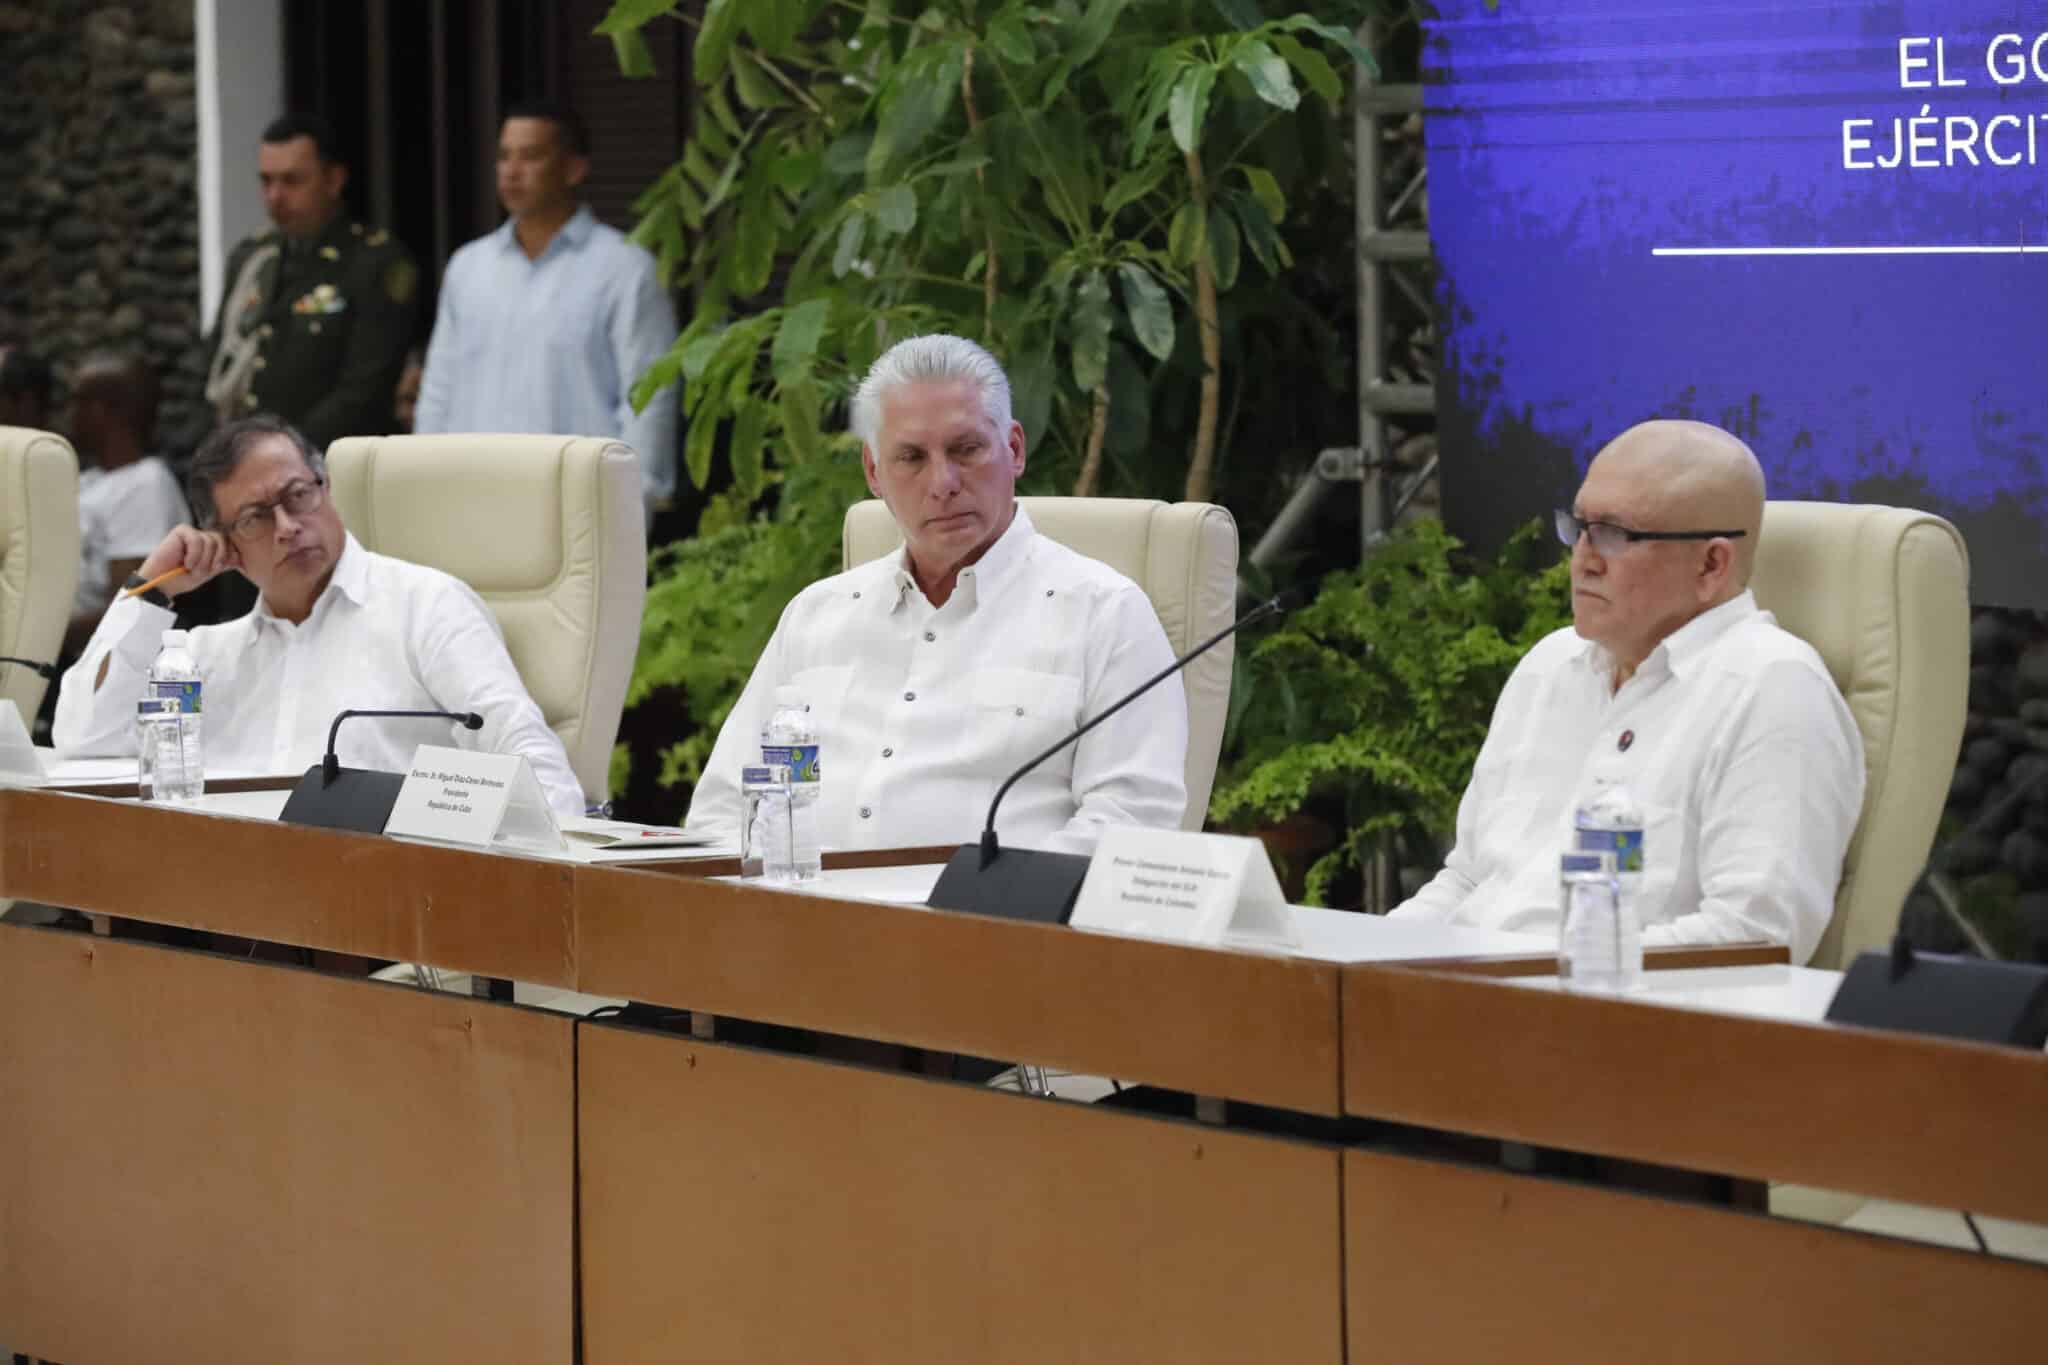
(386, 634)
(554, 345)
(123, 513)
(922, 711)
(1730, 735)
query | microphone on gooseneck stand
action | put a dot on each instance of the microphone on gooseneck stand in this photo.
(47, 672)
(1039, 884)
(335, 797)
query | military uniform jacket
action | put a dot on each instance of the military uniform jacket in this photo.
(329, 322)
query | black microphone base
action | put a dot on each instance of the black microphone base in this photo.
(1021, 883)
(1950, 997)
(354, 798)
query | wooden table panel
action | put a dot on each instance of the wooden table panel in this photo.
(205, 1160)
(1455, 1263)
(351, 893)
(1654, 960)
(1924, 1120)
(747, 1206)
(1239, 1025)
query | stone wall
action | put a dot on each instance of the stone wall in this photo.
(99, 214)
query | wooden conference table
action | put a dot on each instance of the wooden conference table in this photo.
(208, 1159)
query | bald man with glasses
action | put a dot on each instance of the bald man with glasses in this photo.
(335, 626)
(1672, 681)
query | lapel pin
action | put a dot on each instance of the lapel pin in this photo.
(1628, 737)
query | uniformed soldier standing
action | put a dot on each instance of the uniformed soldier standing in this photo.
(318, 311)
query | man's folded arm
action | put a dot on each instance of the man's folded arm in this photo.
(1131, 769)
(1776, 819)
(465, 667)
(95, 710)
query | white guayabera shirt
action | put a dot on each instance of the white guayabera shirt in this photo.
(922, 711)
(1734, 740)
(385, 635)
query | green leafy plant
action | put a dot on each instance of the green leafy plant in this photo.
(1077, 185)
(1373, 700)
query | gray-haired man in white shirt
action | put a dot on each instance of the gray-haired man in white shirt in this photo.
(932, 673)
(1673, 681)
(337, 626)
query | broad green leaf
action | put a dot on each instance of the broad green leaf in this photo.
(896, 210)
(698, 447)
(776, 24)
(1189, 106)
(1150, 310)
(796, 342)
(660, 190)
(1093, 31)
(698, 353)
(749, 447)
(1242, 15)
(757, 233)
(1223, 243)
(1012, 40)
(690, 203)
(1259, 234)
(636, 59)
(1342, 37)
(1272, 80)
(1134, 185)
(848, 251)
(847, 155)
(714, 40)
(1313, 66)
(752, 84)
(659, 376)
(1185, 236)
(721, 110)
(1091, 332)
(921, 95)
(630, 14)
(722, 186)
(1033, 378)
(800, 405)
(1267, 191)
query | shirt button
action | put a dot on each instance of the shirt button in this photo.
(929, 637)
(856, 597)
(1020, 710)
(865, 812)
(888, 753)
(910, 696)
(1048, 592)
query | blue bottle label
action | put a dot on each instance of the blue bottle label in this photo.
(184, 694)
(801, 758)
(1625, 844)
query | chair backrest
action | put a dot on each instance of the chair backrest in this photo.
(548, 530)
(1183, 554)
(38, 556)
(1883, 594)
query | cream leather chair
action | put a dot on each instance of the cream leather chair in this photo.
(548, 530)
(1184, 555)
(38, 556)
(1883, 594)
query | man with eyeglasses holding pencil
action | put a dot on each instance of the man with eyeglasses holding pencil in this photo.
(1726, 728)
(336, 626)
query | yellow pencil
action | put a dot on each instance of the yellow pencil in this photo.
(166, 576)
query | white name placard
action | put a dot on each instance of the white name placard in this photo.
(1215, 889)
(460, 796)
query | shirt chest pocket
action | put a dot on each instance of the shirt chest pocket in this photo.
(1020, 712)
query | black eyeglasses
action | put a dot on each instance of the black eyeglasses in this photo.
(300, 497)
(1610, 539)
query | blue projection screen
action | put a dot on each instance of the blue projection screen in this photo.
(1819, 225)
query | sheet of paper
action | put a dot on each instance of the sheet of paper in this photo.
(624, 834)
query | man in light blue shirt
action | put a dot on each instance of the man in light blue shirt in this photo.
(545, 324)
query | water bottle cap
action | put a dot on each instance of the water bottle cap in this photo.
(789, 694)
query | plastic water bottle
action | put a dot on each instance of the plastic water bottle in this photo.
(171, 760)
(1590, 930)
(788, 741)
(1610, 821)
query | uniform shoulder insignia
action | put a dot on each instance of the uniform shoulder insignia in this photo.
(401, 277)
